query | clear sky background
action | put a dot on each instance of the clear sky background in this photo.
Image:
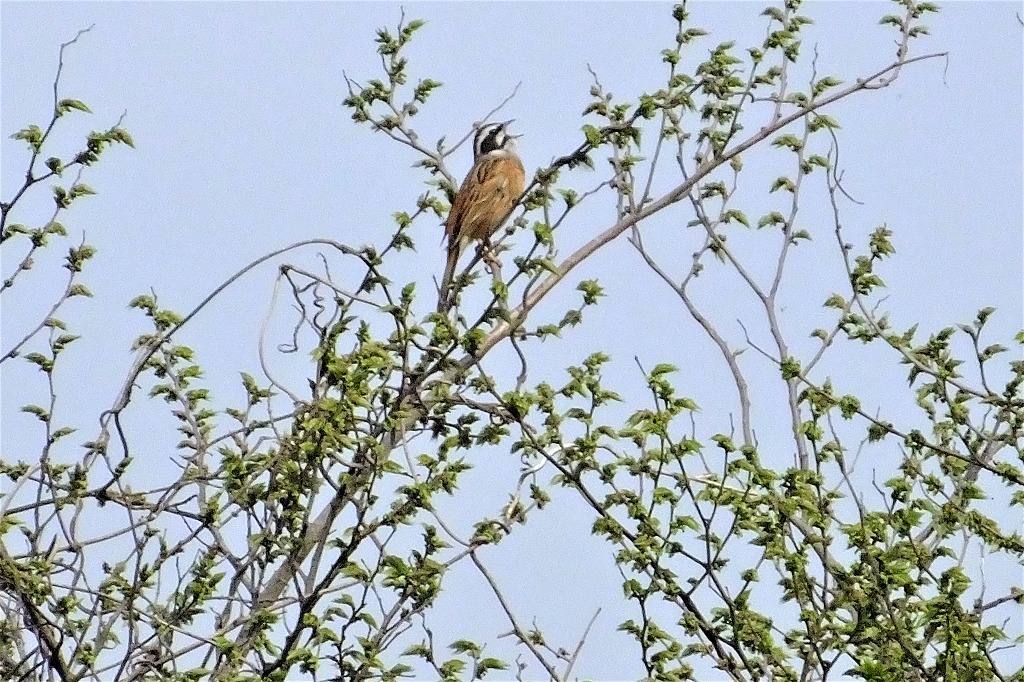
(242, 146)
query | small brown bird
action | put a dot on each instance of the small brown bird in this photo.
(486, 197)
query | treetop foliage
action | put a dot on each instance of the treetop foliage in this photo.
(311, 532)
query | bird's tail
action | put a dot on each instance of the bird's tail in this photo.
(444, 298)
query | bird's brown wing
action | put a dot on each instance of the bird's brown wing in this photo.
(487, 195)
(485, 198)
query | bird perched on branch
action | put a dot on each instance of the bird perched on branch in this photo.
(486, 197)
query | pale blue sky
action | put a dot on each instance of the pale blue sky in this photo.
(242, 146)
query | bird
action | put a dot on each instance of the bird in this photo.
(486, 197)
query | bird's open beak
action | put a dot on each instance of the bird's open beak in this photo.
(506, 124)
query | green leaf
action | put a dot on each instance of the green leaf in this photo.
(143, 301)
(790, 367)
(60, 197)
(820, 121)
(648, 107)
(424, 88)
(782, 182)
(37, 411)
(55, 165)
(65, 339)
(41, 361)
(824, 84)
(13, 229)
(789, 141)
(33, 135)
(487, 664)
(591, 291)
(499, 289)
(81, 190)
(546, 330)
(877, 432)
(449, 669)
(773, 218)
(223, 644)
(464, 646)
(818, 160)
(724, 442)
(121, 135)
(689, 34)
(663, 368)
(420, 650)
(61, 432)
(66, 105)
(737, 215)
(402, 219)
(994, 349)
(849, 405)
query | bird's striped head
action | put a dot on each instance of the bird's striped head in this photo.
(494, 137)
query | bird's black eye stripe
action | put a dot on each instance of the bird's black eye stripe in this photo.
(490, 139)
